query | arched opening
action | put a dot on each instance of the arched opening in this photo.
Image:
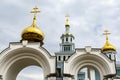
(64, 58)
(15, 60)
(88, 73)
(31, 73)
(99, 65)
(23, 64)
(82, 74)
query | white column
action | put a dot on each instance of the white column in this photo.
(91, 74)
(86, 75)
(61, 57)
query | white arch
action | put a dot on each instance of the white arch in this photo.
(14, 59)
(93, 66)
(95, 59)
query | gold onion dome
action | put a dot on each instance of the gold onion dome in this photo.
(33, 33)
(107, 45)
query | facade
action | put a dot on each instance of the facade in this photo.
(99, 63)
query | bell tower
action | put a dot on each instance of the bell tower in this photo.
(67, 38)
(67, 48)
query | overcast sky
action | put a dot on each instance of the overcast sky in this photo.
(88, 19)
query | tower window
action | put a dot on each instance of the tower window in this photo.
(67, 39)
(66, 48)
(59, 58)
(68, 56)
(69, 48)
(64, 58)
(71, 39)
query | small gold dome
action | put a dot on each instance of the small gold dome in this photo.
(67, 24)
(33, 33)
(108, 46)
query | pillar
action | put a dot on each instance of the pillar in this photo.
(91, 74)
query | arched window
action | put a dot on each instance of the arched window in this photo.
(66, 39)
(59, 58)
(71, 39)
(64, 58)
(67, 48)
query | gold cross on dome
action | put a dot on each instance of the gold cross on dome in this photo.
(67, 17)
(35, 11)
(106, 32)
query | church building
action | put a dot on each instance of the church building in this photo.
(69, 63)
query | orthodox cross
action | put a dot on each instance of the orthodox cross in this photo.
(35, 11)
(67, 17)
(106, 32)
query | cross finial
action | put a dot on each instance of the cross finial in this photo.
(35, 11)
(106, 32)
(67, 16)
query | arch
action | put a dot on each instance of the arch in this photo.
(82, 59)
(13, 60)
(31, 73)
(86, 71)
(89, 64)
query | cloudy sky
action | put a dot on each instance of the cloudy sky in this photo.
(88, 19)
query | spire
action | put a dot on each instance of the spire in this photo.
(67, 24)
(67, 38)
(107, 45)
(35, 11)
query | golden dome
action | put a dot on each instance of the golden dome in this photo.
(67, 24)
(33, 30)
(107, 45)
(33, 33)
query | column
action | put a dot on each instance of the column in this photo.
(91, 74)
